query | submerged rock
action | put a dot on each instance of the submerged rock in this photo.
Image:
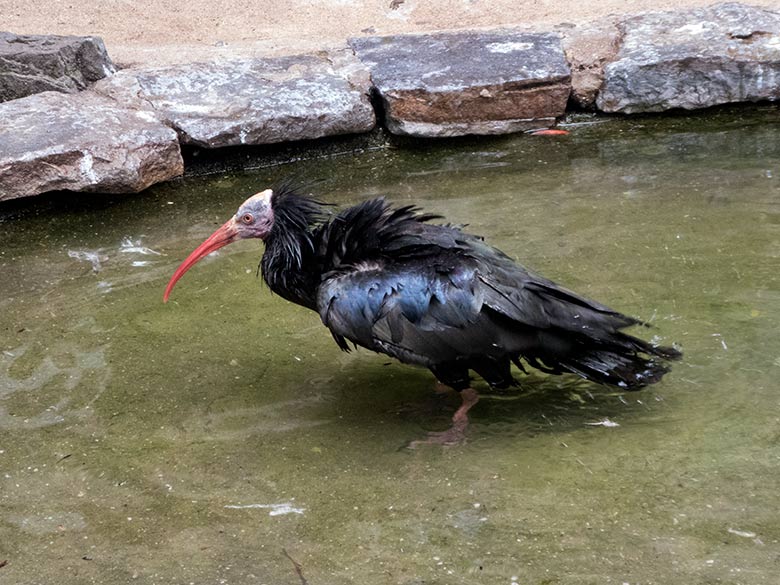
(32, 64)
(694, 59)
(252, 101)
(82, 142)
(456, 83)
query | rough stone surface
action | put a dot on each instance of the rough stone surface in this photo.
(451, 84)
(252, 101)
(694, 59)
(588, 49)
(32, 64)
(82, 142)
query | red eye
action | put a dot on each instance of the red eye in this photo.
(248, 218)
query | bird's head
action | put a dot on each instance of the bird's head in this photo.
(254, 219)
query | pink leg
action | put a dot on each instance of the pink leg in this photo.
(440, 388)
(456, 434)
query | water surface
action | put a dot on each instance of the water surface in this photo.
(215, 438)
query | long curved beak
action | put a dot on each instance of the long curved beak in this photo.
(225, 235)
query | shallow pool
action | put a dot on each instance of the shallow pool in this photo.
(224, 438)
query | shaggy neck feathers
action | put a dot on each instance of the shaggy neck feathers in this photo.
(287, 262)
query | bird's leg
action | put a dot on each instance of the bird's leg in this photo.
(469, 398)
(441, 388)
(456, 434)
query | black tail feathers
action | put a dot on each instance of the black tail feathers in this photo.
(625, 362)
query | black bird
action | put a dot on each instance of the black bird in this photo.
(384, 278)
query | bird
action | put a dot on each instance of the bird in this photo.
(395, 281)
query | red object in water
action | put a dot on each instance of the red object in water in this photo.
(549, 132)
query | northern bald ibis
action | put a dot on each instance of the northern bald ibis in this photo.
(385, 278)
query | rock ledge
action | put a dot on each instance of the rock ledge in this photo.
(451, 84)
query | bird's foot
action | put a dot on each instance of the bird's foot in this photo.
(452, 436)
(456, 434)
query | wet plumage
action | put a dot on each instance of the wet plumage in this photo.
(388, 279)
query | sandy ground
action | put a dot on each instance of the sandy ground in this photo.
(166, 31)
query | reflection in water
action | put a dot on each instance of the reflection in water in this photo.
(57, 384)
(157, 441)
(130, 246)
(273, 509)
(93, 258)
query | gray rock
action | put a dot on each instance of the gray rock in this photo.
(694, 59)
(252, 101)
(82, 142)
(31, 64)
(589, 48)
(451, 84)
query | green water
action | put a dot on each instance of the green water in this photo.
(133, 434)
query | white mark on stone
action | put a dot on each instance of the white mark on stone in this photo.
(773, 42)
(690, 29)
(147, 116)
(435, 73)
(86, 167)
(508, 47)
(184, 108)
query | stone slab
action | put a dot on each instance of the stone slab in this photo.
(694, 59)
(473, 82)
(32, 64)
(252, 101)
(82, 142)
